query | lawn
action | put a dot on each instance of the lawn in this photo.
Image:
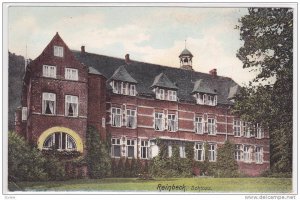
(195, 185)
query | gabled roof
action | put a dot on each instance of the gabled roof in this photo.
(204, 86)
(122, 75)
(145, 73)
(234, 90)
(186, 52)
(163, 81)
(94, 71)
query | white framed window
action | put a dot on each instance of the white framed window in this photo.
(170, 150)
(130, 118)
(58, 51)
(182, 150)
(211, 126)
(237, 127)
(117, 87)
(160, 94)
(49, 71)
(71, 74)
(259, 155)
(24, 113)
(210, 100)
(132, 91)
(246, 129)
(144, 149)
(49, 103)
(199, 151)
(198, 125)
(247, 153)
(130, 148)
(71, 106)
(215, 100)
(115, 148)
(200, 98)
(60, 141)
(238, 152)
(212, 153)
(172, 95)
(259, 132)
(116, 117)
(172, 122)
(159, 121)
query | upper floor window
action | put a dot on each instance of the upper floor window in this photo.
(131, 118)
(71, 106)
(237, 127)
(211, 126)
(49, 103)
(238, 152)
(116, 117)
(159, 122)
(259, 132)
(206, 99)
(246, 129)
(130, 148)
(60, 141)
(24, 113)
(49, 71)
(115, 147)
(212, 152)
(172, 122)
(124, 88)
(258, 155)
(198, 125)
(172, 95)
(144, 149)
(247, 153)
(71, 74)
(58, 51)
(199, 154)
(160, 94)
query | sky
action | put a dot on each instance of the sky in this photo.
(149, 34)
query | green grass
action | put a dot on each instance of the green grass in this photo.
(237, 185)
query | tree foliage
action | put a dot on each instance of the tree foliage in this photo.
(268, 49)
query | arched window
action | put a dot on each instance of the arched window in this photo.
(60, 141)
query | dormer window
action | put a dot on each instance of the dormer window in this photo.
(160, 94)
(206, 99)
(163, 94)
(172, 95)
(124, 88)
(58, 51)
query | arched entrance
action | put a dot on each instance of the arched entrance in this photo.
(60, 138)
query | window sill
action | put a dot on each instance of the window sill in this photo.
(50, 114)
(71, 116)
(116, 126)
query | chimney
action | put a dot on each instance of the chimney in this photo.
(82, 49)
(127, 59)
(213, 72)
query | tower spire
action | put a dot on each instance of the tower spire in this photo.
(186, 58)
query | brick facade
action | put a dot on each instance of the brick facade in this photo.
(96, 99)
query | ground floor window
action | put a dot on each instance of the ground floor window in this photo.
(247, 154)
(144, 149)
(60, 141)
(199, 151)
(258, 155)
(130, 148)
(212, 152)
(115, 147)
(238, 152)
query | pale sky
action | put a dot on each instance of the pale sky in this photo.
(149, 34)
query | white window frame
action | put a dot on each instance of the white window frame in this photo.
(200, 98)
(172, 95)
(115, 142)
(68, 139)
(170, 148)
(237, 128)
(70, 99)
(71, 74)
(131, 117)
(259, 132)
(159, 120)
(211, 127)
(247, 153)
(24, 113)
(160, 94)
(49, 71)
(116, 113)
(212, 152)
(182, 150)
(172, 122)
(258, 155)
(46, 96)
(199, 125)
(199, 149)
(238, 152)
(117, 87)
(132, 90)
(144, 149)
(130, 143)
(210, 100)
(58, 51)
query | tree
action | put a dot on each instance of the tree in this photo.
(268, 49)
(98, 159)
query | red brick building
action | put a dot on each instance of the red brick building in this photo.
(134, 103)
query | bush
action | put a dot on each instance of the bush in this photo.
(98, 159)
